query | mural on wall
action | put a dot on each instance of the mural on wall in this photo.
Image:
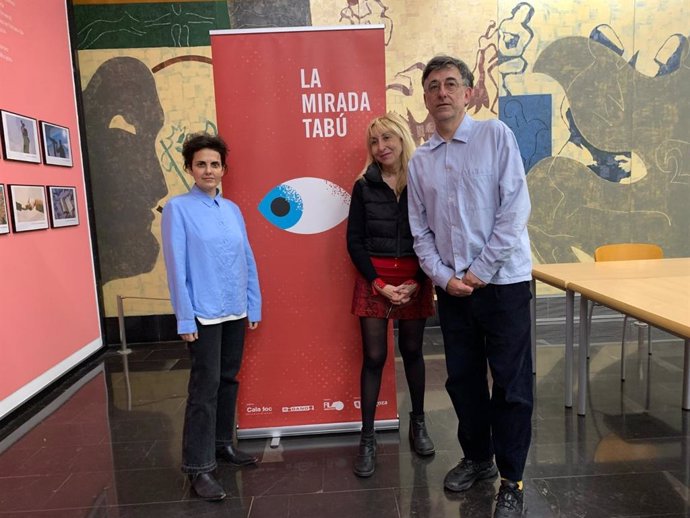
(617, 108)
(595, 93)
(133, 24)
(250, 14)
(123, 116)
(146, 129)
(368, 12)
(514, 36)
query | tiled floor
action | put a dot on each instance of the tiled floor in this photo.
(105, 442)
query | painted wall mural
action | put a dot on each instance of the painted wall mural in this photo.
(124, 115)
(596, 93)
(250, 14)
(134, 24)
(140, 104)
(615, 108)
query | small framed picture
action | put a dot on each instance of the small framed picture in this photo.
(57, 147)
(19, 137)
(28, 207)
(4, 222)
(63, 206)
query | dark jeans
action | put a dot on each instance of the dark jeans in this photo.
(209, 419)
(492, 324)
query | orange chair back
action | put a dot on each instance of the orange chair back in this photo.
(628, 252)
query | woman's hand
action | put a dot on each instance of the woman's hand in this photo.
(189, 337)
(397, 295)
(390, 292)
(408, 288)
(253, 325)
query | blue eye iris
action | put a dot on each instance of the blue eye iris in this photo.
(305, 205)
(282, 206)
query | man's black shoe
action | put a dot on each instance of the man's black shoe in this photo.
(235, 456)
(509, 501)
(207, 487)
(467, 472)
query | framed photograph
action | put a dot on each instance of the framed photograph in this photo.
(56, 145)
(63, 206)
(28, 207)
(4, 222)
(19, 137)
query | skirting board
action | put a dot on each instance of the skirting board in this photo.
(32, 388)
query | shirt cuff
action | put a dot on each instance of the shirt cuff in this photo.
(186, 327)
(378, 282)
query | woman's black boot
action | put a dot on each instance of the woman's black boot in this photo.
(365, 463)
(419, 438)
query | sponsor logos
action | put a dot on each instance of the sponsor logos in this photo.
(358, 404)
(333, 405)
(298, 408)
(254, 409)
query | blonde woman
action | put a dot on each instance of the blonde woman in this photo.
(391, 285)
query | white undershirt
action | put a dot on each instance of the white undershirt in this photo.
(220, 320)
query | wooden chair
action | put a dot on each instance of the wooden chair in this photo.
(626, 252)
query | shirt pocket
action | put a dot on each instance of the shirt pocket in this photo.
(479, 188)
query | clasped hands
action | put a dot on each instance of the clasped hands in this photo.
(399, 295)
(465, 286)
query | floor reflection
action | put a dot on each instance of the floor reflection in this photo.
(105, 441)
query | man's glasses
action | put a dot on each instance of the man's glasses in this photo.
(449, 85)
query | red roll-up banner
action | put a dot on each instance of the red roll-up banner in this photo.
(293, 104)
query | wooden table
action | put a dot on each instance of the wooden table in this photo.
(561, 275)
(663, 302)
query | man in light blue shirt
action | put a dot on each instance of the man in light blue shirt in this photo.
(468, 209)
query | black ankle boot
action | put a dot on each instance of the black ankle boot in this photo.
(419, 438)
(234, 456)
(207, 487)
(365, 463)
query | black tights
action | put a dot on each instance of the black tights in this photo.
(375, 349)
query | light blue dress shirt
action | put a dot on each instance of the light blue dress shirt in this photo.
(469, 205)
(211, 268)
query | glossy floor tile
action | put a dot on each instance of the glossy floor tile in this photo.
(105, 441)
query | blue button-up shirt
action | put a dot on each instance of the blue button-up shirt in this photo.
(469, 205)
(211, 268)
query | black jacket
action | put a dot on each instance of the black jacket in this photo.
(377, 224)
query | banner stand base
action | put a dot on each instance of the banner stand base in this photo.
(312, 429)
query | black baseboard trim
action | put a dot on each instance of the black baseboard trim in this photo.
(142, 329)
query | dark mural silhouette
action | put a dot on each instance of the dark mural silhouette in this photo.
(123, 118)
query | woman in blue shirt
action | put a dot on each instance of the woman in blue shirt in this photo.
(214, 290)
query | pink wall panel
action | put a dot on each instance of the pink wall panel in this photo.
(48, 305)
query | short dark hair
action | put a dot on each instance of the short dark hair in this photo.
(197, 141)
(439, 62)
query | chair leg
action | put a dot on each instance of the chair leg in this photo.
(625, 325)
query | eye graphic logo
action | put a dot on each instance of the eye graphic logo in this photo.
(305, 205)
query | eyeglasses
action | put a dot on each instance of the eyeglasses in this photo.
(449, 85)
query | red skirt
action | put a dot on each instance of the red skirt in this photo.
(367, 304)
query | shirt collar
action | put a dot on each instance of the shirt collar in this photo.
(205, 198)
(462, 134)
